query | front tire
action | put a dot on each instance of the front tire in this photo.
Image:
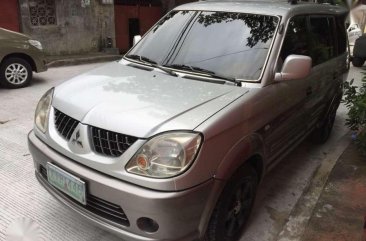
(233, 208)
(15, 73)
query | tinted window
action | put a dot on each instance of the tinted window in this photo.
(296, 39)
(341, 36)
(313, 36)
(321, 39)
(229, 44)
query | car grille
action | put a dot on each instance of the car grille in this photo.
(107, 210)
(103, 142)
(43, 171)
(110, 143)
(98, 206)
(65, 125)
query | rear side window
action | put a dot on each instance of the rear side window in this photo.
(321, 39)
(341, 35)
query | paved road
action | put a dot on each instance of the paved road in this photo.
(22, 196)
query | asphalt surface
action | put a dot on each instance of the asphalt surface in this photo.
(22, 197)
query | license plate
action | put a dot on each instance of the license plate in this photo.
(67, 183)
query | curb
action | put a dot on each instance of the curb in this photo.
(299, 217)
(82, 60)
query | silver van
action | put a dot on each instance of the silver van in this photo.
(171, 142)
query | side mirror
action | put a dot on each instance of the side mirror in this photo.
(295, 67)
(136, 39)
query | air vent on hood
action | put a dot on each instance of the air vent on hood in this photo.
(65, 125)
(110, 143)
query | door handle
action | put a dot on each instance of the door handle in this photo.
(309, 91)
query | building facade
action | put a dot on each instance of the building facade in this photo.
(74, 27)
(67, 27)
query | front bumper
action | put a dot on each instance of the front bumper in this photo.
(41, 64)
(181, 216)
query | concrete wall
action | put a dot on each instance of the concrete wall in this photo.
(80, 28)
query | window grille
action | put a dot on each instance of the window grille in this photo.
(42, 12)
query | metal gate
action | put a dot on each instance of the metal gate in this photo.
(9, 15)
(133, 17)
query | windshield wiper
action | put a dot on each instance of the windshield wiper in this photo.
(204, 71)
(141, 58)
(152, 63)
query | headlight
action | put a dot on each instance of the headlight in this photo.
(35, 43)
(43, 110)
(166, 155)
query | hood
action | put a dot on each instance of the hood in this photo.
(8, 34)
(141, 103)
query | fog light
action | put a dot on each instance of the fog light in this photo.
(147, 225)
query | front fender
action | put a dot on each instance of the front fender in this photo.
(240, 153)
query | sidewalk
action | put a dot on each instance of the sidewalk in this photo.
(340, 210)
(92, 57)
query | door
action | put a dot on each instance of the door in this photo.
(289, 96)
(323, 51)
(9, 15)
(133, 29)
(134, 17)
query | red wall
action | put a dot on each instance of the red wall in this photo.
(9, 14)
(148, 17)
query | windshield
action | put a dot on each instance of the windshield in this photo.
(234, 45)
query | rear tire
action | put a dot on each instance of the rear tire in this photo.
(321, 134)
(358, 62)
(233, 208)
(15, 73)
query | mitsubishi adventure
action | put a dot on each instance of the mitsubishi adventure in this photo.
(172, 141)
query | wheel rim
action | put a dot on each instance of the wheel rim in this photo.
(16, 74)
(239, 209)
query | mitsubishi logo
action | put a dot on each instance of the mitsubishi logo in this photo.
(76, 139)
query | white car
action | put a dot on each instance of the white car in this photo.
(354, 32)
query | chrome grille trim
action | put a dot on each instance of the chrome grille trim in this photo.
(110, 143)
(65, 125)
(107, 210)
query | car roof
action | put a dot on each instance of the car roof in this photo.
(278, 8)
